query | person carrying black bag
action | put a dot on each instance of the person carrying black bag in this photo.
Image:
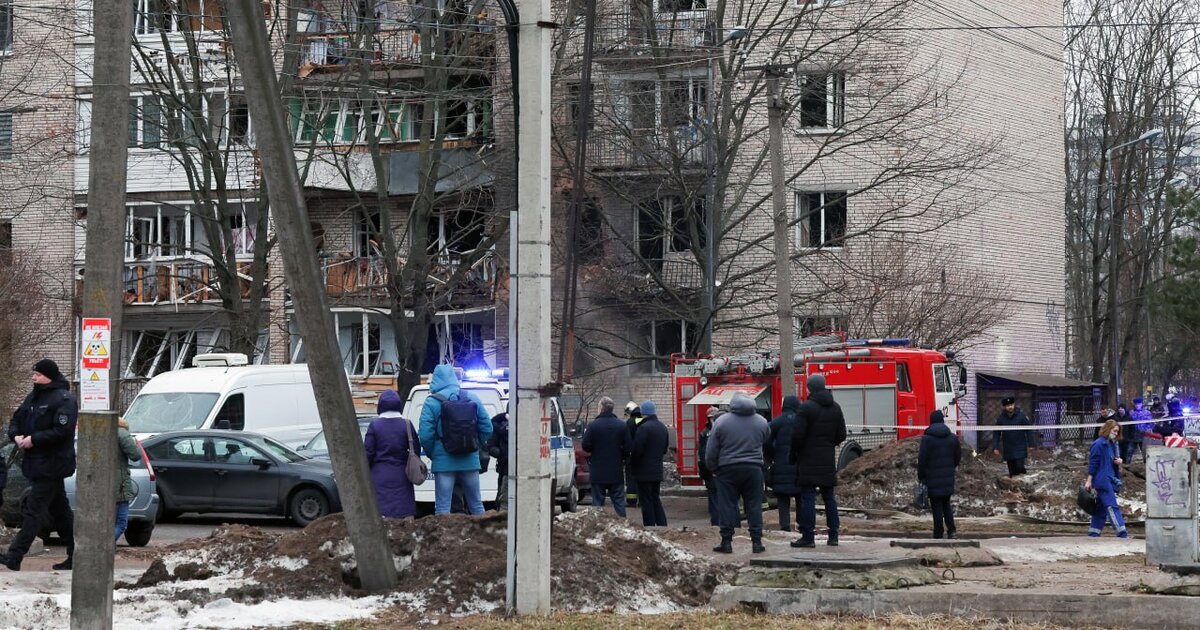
(937, 461)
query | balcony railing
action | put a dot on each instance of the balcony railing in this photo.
(647, 149)
(177, 281)
(393, 45)
(671, 30)
(366, 276)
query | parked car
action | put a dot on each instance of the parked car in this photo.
(235, 471)
(583, 467)
(143, 510)
(318, 448)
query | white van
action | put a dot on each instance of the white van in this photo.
(494, 396)
(274, 400)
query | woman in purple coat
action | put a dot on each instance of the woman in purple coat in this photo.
(387, 443)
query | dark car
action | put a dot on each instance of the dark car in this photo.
(318, 448)
(583, 470)
(235, 471)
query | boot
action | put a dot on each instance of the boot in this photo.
(65, 565)
(12, 561)
(756, 546)
(833, 539)
(726, 546)
(804, 542)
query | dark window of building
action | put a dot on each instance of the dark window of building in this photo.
(6, 136)
(6, 243)
(821, 219)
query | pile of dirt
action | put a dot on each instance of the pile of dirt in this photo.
(885, 478)
(449, 564)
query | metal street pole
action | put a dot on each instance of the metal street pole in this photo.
(530, 509)
(96, 480)
(251, 46)
(1116, 233)
(776, 108)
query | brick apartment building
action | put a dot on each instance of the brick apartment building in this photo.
(668, 76)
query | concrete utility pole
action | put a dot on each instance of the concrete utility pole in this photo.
(96, 480)
(251, 46)
(528, 589)
(776, 108)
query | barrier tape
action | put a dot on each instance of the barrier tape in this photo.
(1024, 427)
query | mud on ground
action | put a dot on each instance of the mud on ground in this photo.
(886, 478)
(451, 564)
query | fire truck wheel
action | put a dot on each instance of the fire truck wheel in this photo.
(850, 452)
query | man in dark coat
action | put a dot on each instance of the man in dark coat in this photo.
(735, 455)
(1013, 445)
(497, 447)
(783, 472)
(44, 425)
(820, 428)
(388, 442)
(649, 447)
(937, 460)
(607, 440)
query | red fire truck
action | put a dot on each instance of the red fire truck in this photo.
(884, 386)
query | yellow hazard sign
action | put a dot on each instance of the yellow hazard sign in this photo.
(95, 349)
(95, 377)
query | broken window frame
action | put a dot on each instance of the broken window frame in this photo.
(831, 202)
(821, 102)
(663, 345)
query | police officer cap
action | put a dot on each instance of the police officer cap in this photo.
(1008, 400)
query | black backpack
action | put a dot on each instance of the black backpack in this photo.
(459, 425)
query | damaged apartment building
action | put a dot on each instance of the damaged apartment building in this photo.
(373, 90)
(899, 127)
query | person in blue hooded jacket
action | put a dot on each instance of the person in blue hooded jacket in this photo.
(449, 469)
(388, 448)
(1104, 466)
(937, 461)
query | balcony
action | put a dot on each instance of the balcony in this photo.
(365, 278)
(176, 281)
(396, 46)
(649, 149)
(391, 45)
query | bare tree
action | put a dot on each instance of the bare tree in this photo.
(680, 161)
(1131, 68)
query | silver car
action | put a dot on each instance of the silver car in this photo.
(142, 510)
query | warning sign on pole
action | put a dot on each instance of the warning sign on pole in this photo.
(95, 359)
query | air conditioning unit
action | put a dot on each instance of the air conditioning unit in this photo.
(220, 359)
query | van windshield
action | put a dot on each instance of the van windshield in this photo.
(173, 411)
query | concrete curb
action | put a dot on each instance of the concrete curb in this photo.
(1070, 609)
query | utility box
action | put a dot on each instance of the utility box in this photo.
(1172, 528)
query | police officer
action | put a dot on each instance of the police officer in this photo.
(44, 425)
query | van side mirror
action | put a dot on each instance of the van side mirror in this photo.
(262, 464)
(962, 374)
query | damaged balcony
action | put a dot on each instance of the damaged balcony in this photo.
(363, 280)
(178, 281)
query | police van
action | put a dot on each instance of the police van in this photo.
(491, 388)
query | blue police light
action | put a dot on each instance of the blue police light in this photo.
(478, 375)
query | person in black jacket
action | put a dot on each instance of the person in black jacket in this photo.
(783, 471)
(633, 418)
(820, 428)
(937, 460)
(607, 440)
(706, 475)
(1013, 445)
(497, 447)
(44, 425)
(649, 446)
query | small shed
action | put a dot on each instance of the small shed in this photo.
(1047, 399)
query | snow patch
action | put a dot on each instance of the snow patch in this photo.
(1058, 551)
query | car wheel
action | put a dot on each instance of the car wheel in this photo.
(571, 502)
(138, 533)
(308, 505)
(850, 452)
